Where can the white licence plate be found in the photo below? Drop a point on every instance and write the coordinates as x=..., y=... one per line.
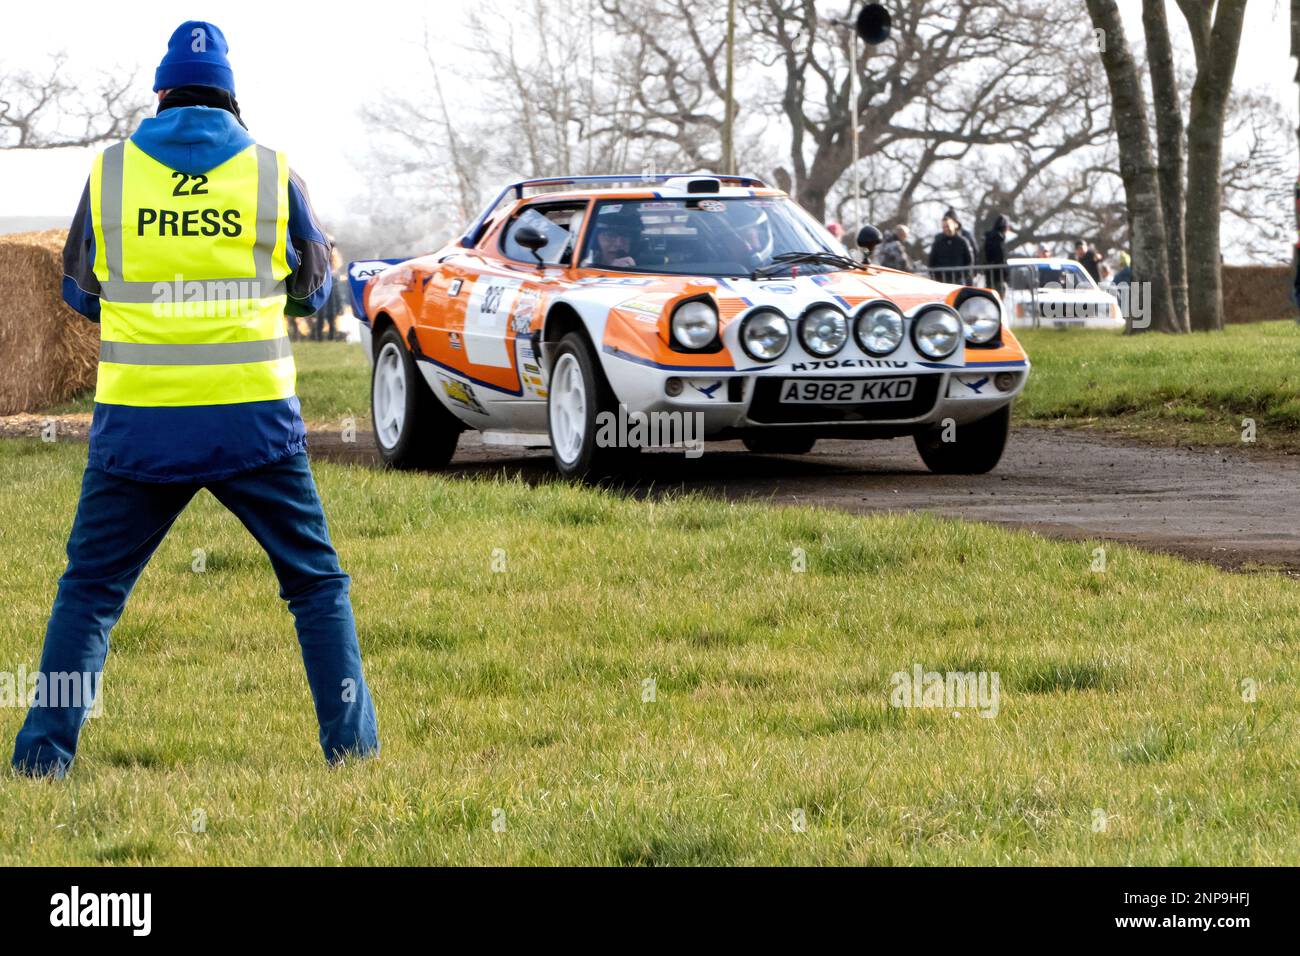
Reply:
x=850, y=391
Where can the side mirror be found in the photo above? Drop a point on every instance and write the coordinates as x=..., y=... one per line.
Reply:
x=531, y=238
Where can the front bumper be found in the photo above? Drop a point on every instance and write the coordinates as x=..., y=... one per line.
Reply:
x=740, y=402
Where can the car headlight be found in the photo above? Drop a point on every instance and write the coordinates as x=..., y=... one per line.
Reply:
x=981, y=319
x=824, y=330
x=694, y=324
x=879, y=330
x=937, y=333
x=765, y=335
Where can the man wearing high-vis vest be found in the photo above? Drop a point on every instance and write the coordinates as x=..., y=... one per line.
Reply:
x=190, y=245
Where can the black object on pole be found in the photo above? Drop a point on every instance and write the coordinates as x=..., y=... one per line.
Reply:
x=873, y=23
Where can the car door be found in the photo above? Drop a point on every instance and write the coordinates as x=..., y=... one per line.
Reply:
x=481, y=305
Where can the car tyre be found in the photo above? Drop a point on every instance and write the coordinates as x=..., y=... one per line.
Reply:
x=412, y=428
x=576, y=395
x=977, y=447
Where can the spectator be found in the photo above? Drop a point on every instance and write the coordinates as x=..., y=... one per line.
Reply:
x=1295, y=286
x=995, y=254
x=965, y=233
x=1125, y=273
x=1044, y=252
x=328, y=314
x=868, y=238
x=894, y=254
x=951, y=256
x=1088, y=258
x=836, y=230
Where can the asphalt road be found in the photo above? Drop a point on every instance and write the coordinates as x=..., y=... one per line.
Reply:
x=1235, y=507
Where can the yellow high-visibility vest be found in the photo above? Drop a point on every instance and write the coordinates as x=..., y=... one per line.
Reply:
x=192, y=279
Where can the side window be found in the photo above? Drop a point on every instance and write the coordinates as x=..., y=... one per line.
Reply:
x=560, y=223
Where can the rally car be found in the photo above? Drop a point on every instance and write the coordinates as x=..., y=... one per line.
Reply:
x=582, y=313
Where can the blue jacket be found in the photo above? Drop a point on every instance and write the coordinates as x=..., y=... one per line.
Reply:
x=204, y=442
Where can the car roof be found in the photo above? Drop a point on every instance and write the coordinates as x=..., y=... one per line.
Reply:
x=726, y=192
x=625, y=186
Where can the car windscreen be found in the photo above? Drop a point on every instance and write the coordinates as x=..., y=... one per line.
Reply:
x=705, y=236
x=1063, y=276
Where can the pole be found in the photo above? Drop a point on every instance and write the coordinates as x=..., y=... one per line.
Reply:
x=853, y=131
x=728, y=125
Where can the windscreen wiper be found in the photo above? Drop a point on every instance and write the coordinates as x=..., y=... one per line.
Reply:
x=787, y=260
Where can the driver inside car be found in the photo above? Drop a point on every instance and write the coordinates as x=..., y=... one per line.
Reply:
x=611, y=246
x=754, y=231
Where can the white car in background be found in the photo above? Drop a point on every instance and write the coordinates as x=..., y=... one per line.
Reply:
x=1057, y=293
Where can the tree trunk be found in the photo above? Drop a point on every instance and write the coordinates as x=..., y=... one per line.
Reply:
x=1169, y=150
x=1136, y=166
x=1295, y=52
x=1216, y=60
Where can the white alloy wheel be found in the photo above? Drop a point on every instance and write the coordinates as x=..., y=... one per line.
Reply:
x=389, y=395
x=568, y=408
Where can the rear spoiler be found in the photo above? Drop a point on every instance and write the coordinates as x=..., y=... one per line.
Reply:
x=361, y=272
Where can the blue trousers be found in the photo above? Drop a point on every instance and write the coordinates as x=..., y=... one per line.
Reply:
x=119, y=525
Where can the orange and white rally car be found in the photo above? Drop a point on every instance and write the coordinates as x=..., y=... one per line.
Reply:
x=575, y=312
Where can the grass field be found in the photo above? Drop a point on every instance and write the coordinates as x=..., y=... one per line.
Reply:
x=518, y=696
x=1188, y=389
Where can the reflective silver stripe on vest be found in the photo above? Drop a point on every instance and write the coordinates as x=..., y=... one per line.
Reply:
x=212, y=290
x=268, y=190
x=206, y=353
x=110, y=213
x=262, y=283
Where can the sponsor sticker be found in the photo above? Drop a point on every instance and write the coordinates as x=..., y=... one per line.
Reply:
x=709, y=388
x=641, y=305
x=846, y=363
x=525, y=308
x=615, y=280
x=364, y=270
x=462, y=393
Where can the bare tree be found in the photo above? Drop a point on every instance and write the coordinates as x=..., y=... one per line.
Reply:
x=974, y=103
x=1136, y=163
x=959, y=83
x=1216, y=36
x=1258, y=170
x=1170, y=143
x=49, y=112
x=1295, y=52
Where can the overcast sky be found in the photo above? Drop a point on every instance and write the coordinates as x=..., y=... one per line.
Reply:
x=301, y=71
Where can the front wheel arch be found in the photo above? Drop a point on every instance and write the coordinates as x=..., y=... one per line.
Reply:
x=381, y=323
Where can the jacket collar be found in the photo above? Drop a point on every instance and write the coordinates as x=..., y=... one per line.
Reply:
x=192, y=139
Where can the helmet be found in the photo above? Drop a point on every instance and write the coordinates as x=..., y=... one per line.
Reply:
x=616, y=219
x=750, y=220
x=869, y=237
